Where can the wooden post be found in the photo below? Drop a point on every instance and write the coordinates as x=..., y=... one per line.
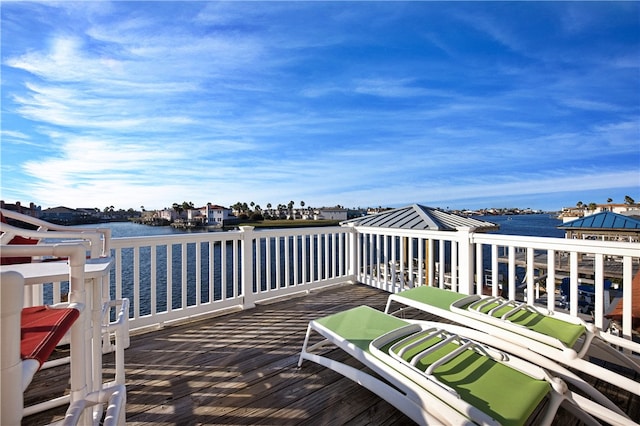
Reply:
x=405, y=249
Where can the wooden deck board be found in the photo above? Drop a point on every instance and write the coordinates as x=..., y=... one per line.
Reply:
x=241, y=368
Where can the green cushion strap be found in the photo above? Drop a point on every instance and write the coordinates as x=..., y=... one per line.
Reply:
x=505, y=394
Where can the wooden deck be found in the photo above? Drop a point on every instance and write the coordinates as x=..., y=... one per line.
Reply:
x=241, y=369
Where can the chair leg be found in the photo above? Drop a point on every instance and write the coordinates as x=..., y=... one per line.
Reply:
x=120, y=328
x=115, y=397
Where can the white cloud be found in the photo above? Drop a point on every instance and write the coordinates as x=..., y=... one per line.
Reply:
x=269, y=102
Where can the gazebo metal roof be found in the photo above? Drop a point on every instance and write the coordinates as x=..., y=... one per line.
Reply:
x=604, y=221
x=421, y=217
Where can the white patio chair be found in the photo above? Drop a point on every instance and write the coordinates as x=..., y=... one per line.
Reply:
x=30, y=335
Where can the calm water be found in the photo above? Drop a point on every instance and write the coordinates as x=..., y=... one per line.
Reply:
x=129, y=229
x=537, y=225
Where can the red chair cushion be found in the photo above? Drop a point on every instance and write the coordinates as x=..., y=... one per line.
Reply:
x=17, y=240
x=616, y=312
x=4, y=260
x=41, y=329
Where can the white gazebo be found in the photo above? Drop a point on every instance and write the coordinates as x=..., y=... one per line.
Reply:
x=418, y=216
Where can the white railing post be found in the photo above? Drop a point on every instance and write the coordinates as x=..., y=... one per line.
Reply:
x=511, y=279
x=352, y=259
x=532, y=292
x=248, y=267
x=627, y=297
x=479, y=269
x=551, y=280
x=431, y=262
x=465, y=261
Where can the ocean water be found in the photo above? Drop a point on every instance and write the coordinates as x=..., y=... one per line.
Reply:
x=130, y=229
x=536, y=225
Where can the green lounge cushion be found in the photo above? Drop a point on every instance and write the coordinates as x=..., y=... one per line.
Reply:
x=565, y=332
x=505, y=394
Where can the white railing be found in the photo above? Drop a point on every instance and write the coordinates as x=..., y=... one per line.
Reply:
x=468, y=262
x=176, y=277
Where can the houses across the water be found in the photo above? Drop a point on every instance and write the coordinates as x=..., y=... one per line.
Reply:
x=209, y=215
x=571, y=213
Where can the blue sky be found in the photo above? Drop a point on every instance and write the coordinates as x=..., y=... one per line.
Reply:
x=447, y=104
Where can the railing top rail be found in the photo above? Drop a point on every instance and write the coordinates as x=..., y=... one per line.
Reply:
x=312, y=230
x=619, y=248
x=196, y=237
x=562, y=244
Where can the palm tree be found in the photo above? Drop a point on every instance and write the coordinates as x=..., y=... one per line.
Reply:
x=628, y=200
x=177, y=208
x=609, y=200
x=579, y=204
x=290, y=208
x=237, y=207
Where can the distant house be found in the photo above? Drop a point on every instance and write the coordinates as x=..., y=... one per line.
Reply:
x=571, y=213
x=65, y=215
x=209, y=215
x=32, y=210
x=216, y=215
x=624, y=209
x=332, y=213
x=169, y=215
x=91, y=211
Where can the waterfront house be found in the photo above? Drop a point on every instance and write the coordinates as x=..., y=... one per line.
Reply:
x=32, y=210
x=624, y=209
x=332, y=213
x=209, y=215
x=215, y=214
x=64, y=215
x=169, y=215
x=571, y=213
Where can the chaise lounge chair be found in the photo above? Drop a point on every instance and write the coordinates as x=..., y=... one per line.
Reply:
x=435, y=375
x=563, y=338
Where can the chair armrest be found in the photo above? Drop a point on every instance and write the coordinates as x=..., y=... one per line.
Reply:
x=98, y=238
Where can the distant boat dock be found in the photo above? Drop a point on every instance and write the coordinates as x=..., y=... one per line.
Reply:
x=612, y=267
